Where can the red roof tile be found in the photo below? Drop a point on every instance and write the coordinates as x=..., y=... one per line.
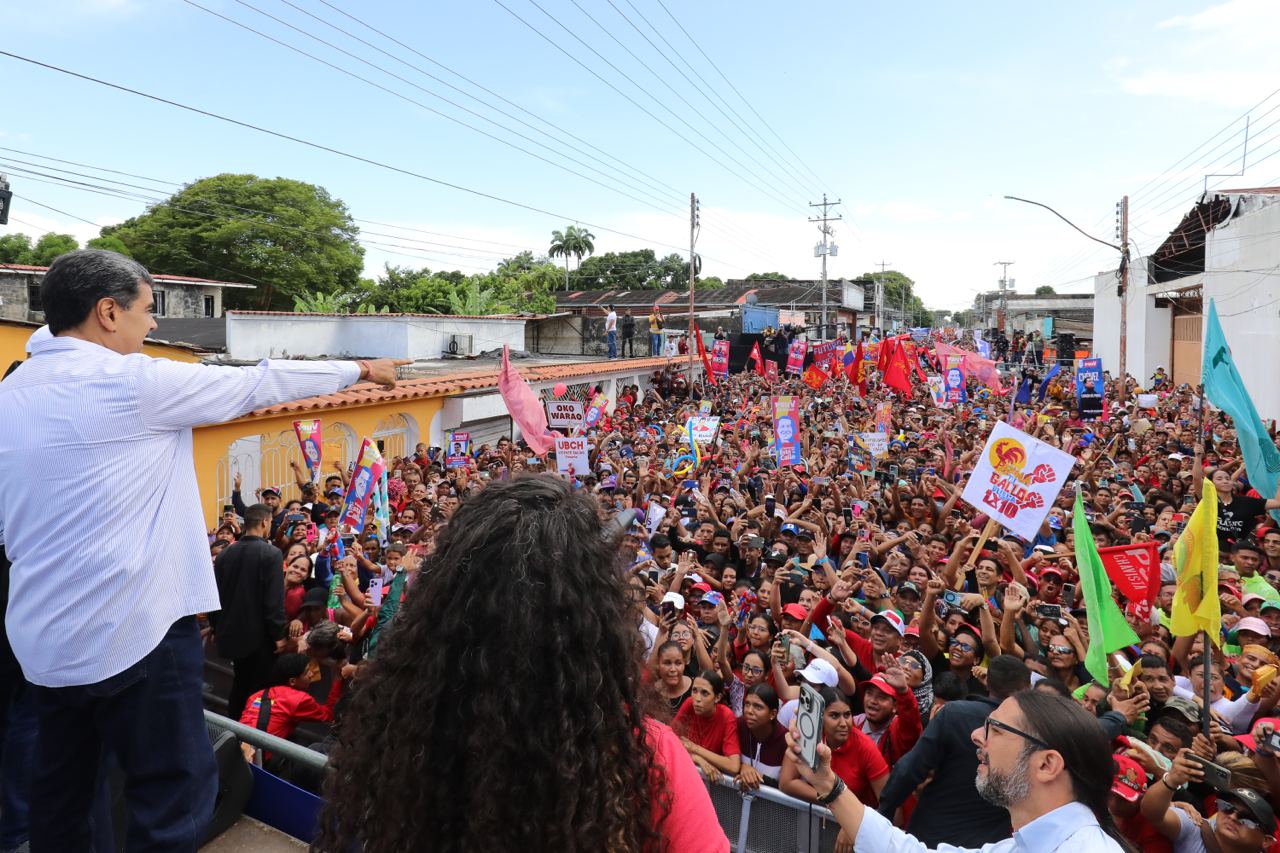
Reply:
x=366, y=393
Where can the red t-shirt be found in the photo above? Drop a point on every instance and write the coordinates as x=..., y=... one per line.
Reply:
x=293, y=601
x=290, y=706
x=690, y=823
x=718, y=733
x=1143, y=834
x=858, y=762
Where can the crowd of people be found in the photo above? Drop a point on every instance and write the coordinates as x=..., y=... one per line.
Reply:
x=857, y=576
x=522, y=658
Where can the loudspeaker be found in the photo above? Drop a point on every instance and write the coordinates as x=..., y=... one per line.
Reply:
x=1066, y=349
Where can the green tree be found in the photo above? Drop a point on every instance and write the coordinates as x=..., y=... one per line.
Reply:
x=962, y=319
x=287, y=237
x=708, y=283
x=1046, y=290
x=111, y=243
x=49, y=247
x=321, y=303
x=768, y=276
x=15, y=249
x=520, y=263
x=572, y=241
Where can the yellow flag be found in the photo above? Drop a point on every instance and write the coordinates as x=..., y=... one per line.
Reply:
x=1195, y=556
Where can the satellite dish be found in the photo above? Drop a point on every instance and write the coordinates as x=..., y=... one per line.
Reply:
x=751, y=299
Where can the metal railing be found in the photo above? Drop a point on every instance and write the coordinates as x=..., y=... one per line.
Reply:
x=761, y=821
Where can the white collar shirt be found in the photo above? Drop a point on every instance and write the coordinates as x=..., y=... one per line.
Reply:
x=99, y=508
x=1071, y=827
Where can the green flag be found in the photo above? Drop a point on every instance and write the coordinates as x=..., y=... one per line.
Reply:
x=1108, y=629
x=1223, y=385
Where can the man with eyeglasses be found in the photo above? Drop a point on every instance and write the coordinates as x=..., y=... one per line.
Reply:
x=1245, y=822
x=1043, y=763
x=949, y=810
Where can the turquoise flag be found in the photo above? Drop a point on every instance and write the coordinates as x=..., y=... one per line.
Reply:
x=1224, y=387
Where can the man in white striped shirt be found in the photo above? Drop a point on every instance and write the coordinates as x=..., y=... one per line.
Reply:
x=100, y=515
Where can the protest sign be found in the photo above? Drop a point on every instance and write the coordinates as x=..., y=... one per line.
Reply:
x=1134, y=569
x=875, y=443
x=1089, y=388
x=953, y=380
x=309, y=440
x=720, y=358
x=786, y=429
x=459, y=449
x=884, y=416
x=571, y=455
x=704, y=429
x=565, y=414
x=771, y=370
x=1148, y=401
x=938, y=391
x=1017, y=479
x=595, y=411
x=795, y=356
x=704, y=408
x=365, y=477
x=654, y=515
x=823, y=352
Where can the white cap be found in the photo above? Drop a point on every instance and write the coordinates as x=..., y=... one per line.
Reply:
x=820, y=672
x=675, y=598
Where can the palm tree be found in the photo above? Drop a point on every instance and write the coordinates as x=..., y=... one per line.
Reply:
x=572, y=241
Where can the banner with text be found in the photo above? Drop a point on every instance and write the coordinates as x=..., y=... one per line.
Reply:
x=571, y=455
x=1134, y=569
x=795, y=356
x=311, y=443
x=1017, y=479
x=459, y=449
x=565, y=414
x=720, y=358
x=364, y=479
x=786, y=429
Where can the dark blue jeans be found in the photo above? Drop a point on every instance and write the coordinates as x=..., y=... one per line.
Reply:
x=150, y=717
x=20, y=727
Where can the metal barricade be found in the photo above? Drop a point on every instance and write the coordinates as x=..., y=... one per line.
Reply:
x=761, y=821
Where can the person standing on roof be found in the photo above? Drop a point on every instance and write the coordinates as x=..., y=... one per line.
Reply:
x=611, y=331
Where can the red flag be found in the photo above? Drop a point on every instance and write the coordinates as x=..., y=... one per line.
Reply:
x=1134, y=569
x=526, y=410
x=814, y=377
x=887, y=348
x=859, y=368
x=757, y=358
x=706, y=362
x=897, y=373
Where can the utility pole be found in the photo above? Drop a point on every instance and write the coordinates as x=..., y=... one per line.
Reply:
x=1004, y=299
x=880, y=296
x=823, y=249
x=693, y=264
x=1122, y=210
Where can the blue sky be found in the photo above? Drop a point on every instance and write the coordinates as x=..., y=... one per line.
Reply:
x=918, y=116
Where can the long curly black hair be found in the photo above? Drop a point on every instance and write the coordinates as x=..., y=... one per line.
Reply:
x=502, y=711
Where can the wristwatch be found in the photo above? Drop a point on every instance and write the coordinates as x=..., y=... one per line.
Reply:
x=836, y=790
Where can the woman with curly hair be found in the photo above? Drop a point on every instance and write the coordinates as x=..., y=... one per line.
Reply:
x=503, y=710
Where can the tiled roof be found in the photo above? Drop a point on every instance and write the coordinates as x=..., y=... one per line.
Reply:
x=734, y=293
x=462, y=381
x=165, y=279
x=426, y=316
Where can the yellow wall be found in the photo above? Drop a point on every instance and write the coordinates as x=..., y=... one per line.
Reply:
x=14, y=337
x=278, y=445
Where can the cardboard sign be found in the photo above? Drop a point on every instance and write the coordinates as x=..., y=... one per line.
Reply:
x=368, y=472
x=459, y=449
x=720, y=358
x=1017, y=479
x=704, y=408
x=571, y=455
x=704, y=429
x=311, y=443
x=786, y=429
x=795, y=356
x=565, y=414
x=875, y=443
x=953, y=380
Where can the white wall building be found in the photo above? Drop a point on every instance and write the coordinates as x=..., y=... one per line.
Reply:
x=253, y=335
x=1225, y=249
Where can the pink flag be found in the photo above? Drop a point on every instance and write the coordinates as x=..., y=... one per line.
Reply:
x=524, y=406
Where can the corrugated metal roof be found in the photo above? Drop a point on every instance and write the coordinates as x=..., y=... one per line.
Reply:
x=163, y=278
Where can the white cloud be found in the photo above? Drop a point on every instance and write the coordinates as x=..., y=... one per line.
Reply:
x=1222, y=54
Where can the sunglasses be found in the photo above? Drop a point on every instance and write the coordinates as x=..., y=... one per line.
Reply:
x=1240, y=814
x=1062, y=650
x=957, y=644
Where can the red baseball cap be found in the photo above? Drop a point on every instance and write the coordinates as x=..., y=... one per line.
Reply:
x=795, y=611
x=703, y=588
x=1130, y=781
x=878, y=682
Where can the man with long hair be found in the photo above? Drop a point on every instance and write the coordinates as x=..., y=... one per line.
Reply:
x=1040, y=756
x=504, y=710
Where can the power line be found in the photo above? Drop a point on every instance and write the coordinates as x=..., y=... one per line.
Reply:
x=633, y=101
x=754, y=111
x=400, y=170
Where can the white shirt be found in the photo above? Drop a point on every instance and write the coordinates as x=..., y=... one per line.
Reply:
x=611, y=322
x=99, y=509
x=1071, y=827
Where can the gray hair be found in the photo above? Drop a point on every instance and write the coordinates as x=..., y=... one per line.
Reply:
x=78, y=280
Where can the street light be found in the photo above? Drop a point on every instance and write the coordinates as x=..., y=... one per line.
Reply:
x=1123, y=249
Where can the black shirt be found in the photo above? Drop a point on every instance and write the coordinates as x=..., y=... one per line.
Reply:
x=250, y=581
x=1237, y=517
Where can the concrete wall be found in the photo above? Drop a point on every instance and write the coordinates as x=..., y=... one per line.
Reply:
x=181, y=300
x=1149, y=328
x=255, y=336
x=13, y=296
x=1242, y=275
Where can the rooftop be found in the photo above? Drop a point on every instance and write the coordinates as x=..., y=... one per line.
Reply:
x=162, y=279
x=240, y=313
x=445, y=378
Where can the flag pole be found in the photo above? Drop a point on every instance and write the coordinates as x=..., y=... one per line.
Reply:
x=1204, y=689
